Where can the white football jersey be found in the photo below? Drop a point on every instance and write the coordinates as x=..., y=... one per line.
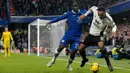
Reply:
x=98, y=24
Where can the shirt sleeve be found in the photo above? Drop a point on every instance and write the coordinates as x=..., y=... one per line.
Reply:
x=93, y=8
x=64, y=16
x=112, y=23
x=88, y=12
x=10, y=36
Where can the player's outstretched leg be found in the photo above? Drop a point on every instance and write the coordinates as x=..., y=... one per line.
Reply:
x=109, y=64
x=83, y=54
x=105, y=54
x=5, y=50
x=70, y=61
x=106, y=57
x=61, y=47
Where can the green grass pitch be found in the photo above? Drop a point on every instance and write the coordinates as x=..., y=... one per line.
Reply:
x=22, y=63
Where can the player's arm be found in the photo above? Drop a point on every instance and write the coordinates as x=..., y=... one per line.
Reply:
x=92, y=9
x=86, y=14
x=2, y=37
x=114, y=28
x=64, y=16
x=112, y=23
x=10, y=36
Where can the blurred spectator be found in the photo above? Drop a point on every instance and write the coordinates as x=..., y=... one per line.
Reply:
x=20, y=38
x=3, y=9
x=52, y=7
x=39, y=7
x=122, y=35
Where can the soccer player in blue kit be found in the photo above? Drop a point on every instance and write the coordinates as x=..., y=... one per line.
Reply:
x=72, y=35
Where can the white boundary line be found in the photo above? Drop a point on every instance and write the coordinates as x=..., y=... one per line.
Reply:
x=90, y=64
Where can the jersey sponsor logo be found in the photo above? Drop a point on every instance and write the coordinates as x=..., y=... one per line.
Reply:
x=97, y=23
x=74, y=15
x=63, y=41
x=76, y=45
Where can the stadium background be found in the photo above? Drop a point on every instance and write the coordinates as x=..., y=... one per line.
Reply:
x=17, y=14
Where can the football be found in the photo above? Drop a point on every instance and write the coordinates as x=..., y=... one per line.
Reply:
x=95, y=67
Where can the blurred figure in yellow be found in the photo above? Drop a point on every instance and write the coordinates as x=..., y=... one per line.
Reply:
x=6, y=37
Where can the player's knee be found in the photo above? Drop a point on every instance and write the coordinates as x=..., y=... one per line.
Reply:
x=72, y=56
x=81, y=47
x=61, y=47
x=73, y=52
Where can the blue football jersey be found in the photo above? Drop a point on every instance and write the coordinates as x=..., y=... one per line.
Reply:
x=74, y=23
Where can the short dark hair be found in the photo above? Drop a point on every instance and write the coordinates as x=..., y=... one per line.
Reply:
x=74, y=3
x=101, y=9
x=100, y=41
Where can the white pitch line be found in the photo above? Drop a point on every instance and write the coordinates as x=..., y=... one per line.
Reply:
x=90, y=64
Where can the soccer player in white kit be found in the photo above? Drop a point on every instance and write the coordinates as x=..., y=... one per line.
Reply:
x=101, y=19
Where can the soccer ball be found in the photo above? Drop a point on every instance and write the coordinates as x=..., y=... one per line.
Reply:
x=95, y=67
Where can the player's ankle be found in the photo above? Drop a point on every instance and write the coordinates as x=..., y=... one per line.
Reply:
x=56, y=54
x=5, y=55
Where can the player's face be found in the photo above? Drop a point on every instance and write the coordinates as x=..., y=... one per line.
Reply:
x=6, y=29
x=101, y=14
x=75, y=7
x=100, y=44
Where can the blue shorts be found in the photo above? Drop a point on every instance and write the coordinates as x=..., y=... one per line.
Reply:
x=72, y=41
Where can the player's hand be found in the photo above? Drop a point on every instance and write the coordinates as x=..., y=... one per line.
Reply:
x=48, y=25
x=104, y=33
x=12, y=41
x=79, y=20
x=82, y=17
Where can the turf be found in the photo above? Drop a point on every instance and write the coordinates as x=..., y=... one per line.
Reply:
x=22, y=63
